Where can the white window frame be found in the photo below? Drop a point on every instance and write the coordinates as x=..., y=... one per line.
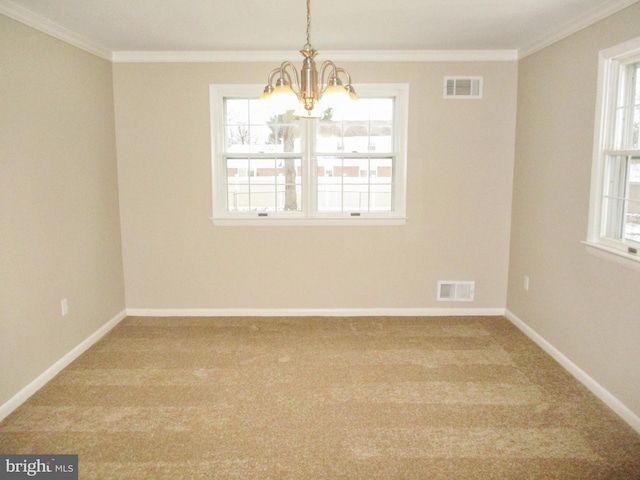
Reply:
x=310, y=215
x=609, y=67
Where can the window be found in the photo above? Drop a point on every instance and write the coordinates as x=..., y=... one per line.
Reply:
x=614, y=224
x=342, y=168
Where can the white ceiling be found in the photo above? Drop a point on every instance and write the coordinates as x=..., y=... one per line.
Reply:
x=336, y=25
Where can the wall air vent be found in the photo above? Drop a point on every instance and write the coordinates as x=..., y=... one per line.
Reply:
x=463, y=87
x=455, y=291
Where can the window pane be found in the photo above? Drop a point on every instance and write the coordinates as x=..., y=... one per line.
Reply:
x=329, y=184
x=613, y=202
x=367, y=127
x=627, y=122
x=250, y=130
x=613, y=209
x=259, y=115
x=354, y=184
x=628, y=125
x=264, y=185
x=632, y=224
x=259, y=139
x=355, y=137
x=238, y=169
x=237, y=111
x=289, y=184
x=262, y=171
x=382, y=170
x=381, y=179
x=381, y=198
x=284, y=134
x=636, y=92
x=237, y=138
x=635, y=133
x=621, y=206
x=238, y=185
x=263, y=198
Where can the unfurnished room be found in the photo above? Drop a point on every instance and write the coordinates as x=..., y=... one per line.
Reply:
x=312, y=239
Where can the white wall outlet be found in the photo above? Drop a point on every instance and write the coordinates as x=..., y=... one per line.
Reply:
x=64, y=306
x=526, y=282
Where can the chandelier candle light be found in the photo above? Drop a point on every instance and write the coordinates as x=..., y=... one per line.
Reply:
x=305, y=94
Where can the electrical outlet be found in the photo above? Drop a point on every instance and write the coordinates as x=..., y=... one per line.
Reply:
x=64, y=306
x=526, y=282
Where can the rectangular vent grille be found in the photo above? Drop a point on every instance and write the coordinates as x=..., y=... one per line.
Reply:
x=455, y=291
x=462, y=87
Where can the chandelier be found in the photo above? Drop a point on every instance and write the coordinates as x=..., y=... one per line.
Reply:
x=307, y=93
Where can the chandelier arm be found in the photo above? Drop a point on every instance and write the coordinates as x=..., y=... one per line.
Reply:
x=321, y=84
x=284, y=71
x=271, y=75
x=344, y=70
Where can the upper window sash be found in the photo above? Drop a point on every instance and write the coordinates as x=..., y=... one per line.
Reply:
x=626, y=115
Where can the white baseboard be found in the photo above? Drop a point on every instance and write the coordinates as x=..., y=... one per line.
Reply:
x=314, y=312
x=598, y=390
x=22, y=396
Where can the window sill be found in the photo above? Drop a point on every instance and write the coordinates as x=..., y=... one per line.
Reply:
x=611, y=254
x=307, y=222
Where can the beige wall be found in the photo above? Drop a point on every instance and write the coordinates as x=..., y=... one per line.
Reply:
x=460, y=166
x=588, y=308
x=59, y=221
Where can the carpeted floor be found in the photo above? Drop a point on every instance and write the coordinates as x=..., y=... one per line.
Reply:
x=322, y=398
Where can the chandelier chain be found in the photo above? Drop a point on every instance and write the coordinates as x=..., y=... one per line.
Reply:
x=308, y=44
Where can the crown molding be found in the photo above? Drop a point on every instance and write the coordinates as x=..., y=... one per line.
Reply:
x=52, y=29
x=336, y=55
x=577, y=24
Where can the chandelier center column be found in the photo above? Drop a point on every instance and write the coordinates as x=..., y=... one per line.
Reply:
x=309, y=79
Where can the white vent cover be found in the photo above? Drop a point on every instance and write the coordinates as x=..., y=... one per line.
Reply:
x=455, y=291
x=462, y=87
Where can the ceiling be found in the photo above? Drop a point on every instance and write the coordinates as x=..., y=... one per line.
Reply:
x=336, y=25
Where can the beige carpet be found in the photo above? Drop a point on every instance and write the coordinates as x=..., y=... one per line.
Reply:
x=323, y=398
